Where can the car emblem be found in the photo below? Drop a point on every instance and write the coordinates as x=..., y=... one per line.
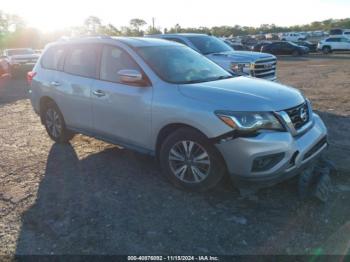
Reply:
x=268, y=66
x=303, y=114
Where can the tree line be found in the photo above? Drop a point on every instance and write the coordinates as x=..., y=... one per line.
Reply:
x=15, y=33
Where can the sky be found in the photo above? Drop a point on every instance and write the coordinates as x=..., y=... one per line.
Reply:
x=48, y=15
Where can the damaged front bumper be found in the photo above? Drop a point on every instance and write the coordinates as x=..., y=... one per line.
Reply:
x=271, y=157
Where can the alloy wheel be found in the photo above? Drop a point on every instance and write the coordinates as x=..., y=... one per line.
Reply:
x=53, y=122
x=189, y=161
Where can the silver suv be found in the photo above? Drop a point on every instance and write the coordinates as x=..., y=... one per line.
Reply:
x=167, y=100
x=261, y=65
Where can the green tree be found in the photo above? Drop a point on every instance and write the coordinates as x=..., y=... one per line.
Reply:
x=93, y=25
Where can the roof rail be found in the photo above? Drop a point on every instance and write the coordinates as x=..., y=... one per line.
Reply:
x=67, y=38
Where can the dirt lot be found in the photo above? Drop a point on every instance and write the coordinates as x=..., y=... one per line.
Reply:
x=91, y=197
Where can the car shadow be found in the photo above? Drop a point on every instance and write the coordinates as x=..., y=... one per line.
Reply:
x=12, y=90
x=112, y=202
x=116, y=201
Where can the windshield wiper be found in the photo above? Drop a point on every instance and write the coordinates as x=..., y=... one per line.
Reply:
x=207, y=80
x=223, y=77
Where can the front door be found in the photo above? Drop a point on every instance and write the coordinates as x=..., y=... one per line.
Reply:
x=121, y=112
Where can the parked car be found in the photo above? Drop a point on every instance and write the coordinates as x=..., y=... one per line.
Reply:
x=331, y=44
x=271, y=36
x=20, y=57
x=339, y=33
x=292, y=37
x=236, y=46
x=249, y=41
x=4, y=67
x=312, y=46
x=165, y=99
x=285, y=48
x=236, y=62
x=257, y=47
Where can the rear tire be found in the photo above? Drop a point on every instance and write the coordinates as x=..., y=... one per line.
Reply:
x=190, y=161
x=296, y=53
x=54, y=123
x=326, y=50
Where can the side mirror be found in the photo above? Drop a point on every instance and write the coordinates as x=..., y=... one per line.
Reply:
x=131, y=76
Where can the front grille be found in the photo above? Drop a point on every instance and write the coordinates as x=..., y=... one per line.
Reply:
x=265, y=68
x=299, y=115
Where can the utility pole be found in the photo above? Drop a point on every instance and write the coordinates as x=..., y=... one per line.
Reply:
x=153, y=24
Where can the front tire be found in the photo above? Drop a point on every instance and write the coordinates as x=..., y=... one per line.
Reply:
x=190, y=161
x=54, y=123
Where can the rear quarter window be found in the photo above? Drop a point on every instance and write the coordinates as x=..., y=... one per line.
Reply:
x=53, y=58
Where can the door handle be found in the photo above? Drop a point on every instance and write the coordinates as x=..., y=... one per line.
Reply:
x=55, y=83
x=99, y=93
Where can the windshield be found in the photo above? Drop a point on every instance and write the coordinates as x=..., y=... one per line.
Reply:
x=209, y=44
x=20, y=52
x=181, y=65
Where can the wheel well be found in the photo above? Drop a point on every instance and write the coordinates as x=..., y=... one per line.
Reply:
x=169, y=129
x=43, y=102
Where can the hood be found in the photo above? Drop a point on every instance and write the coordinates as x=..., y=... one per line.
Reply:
x=28, y=56
x=244, y=94
x=240, y=56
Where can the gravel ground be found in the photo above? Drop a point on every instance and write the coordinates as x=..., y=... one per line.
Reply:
x=91, y=197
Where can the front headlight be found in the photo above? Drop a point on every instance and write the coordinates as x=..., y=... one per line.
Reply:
x=250, y=121
x=241, y=68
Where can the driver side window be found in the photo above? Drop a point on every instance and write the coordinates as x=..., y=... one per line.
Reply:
x=114, y=59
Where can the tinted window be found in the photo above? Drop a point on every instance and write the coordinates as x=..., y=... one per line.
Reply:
x=81, y=60
x=333, y=40
x=113, y=60
x=53, y=58
x=335, y=32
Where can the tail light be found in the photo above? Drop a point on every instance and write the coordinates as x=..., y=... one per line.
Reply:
x=30, y=76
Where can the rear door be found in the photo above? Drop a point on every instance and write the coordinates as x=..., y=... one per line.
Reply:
x=51, y=63
x=335, y=43
x=287, y=48
x=276, y=49
x=74, y=84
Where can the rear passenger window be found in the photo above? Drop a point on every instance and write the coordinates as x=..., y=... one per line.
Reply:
x=81, y=60
x=53, y=58
x=113, y=60
x=333, y=40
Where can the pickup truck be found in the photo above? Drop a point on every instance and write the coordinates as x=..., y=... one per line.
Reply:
x=20, y=57
x=293, y=37
x=255, y=64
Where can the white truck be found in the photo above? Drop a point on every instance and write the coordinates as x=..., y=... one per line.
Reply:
x=293, y=37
